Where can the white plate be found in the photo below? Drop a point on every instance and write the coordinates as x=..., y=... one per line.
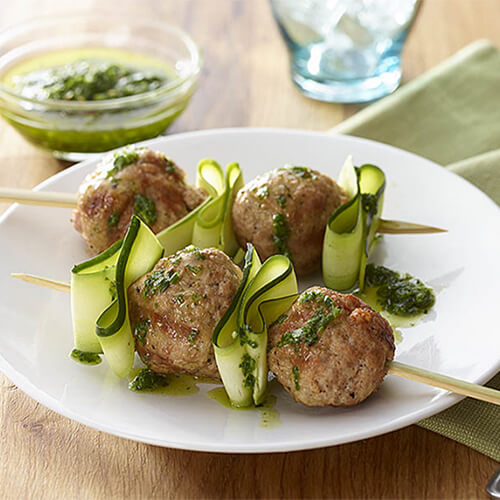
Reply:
x=459, y=338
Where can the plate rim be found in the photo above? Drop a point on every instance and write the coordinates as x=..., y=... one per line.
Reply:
x=443, y=400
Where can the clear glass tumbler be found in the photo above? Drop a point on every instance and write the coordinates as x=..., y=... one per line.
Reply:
x=345, y=50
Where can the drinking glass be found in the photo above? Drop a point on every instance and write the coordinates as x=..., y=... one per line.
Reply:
x=345, y=50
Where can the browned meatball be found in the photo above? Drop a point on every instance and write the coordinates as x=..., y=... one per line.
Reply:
x=175, y=308
x=330, y=349
x=139, y=181
x=286, y=211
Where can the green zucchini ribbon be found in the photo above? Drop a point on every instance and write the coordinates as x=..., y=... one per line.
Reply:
x=350, y=232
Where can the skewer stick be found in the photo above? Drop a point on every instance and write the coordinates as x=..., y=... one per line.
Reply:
x=29, y=197
x=395, y=367
x=60, y=286
x=402, y=227
x=68, y=200
x=444, y=382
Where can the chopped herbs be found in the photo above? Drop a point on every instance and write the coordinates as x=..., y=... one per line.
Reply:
x=262, y=192
x=170, y=165
x=296, y=377
x=245, y=339
x=148, y=380
x=402, y=295
x=302, y=172
x=370, y=203
x=194, y=270
x=141, y=329
x=279, y=320
x=145, y=209
x=122, y=159
x=281, y=233
x=158, y=281
x=86, y=358
x=196, y=298
x=309, y=333
x=113, y=219
x=281, y=200
x=247, y=366
x=180, y=299
x=87, y=80
x=193, y=334
x=112, y=288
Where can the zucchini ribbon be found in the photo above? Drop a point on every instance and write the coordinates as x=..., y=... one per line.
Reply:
x=351, y=229
x=99, y=286
x=240, y=338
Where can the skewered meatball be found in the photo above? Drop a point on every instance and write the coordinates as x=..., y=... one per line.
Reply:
x=175, y=308
x=330, y=349
x=286, y=211
x=139, y=181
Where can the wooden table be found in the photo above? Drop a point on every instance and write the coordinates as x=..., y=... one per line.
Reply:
x=245, y=82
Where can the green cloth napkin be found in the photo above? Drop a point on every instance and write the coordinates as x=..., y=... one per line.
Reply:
x=451, y=115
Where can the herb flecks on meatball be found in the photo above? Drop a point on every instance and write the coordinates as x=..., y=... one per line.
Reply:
x=330, y=349
x=132, y=181
x=286, y=211
x=175, y=308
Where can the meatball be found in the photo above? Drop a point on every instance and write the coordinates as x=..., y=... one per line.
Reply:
x=139, y=181
x=330, y=349
x=174, y=309
x=286, y=211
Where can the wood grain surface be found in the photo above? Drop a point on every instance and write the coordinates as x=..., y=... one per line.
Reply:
x=245, y=82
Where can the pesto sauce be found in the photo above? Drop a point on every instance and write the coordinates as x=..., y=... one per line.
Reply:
x=145, y=380
x=121, y=160
x=302, y=172
x=247, y=366
x=158, y=281
x=141, y=329
x=96, y=131
x=281, y=233
x=401, y=295
x=309, y=333
x=296, y=377
x=269, y=416
x=86, y=358
x=86, y=80
x=145, y=209
x=113, y=219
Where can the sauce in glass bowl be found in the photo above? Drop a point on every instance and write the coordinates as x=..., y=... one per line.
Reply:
x=84, y=93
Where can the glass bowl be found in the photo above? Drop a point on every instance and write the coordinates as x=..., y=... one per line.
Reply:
x=75, y=130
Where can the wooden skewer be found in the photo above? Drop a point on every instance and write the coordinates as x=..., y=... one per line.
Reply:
x=60, y=286
x=28, y=197
x=395, y=367
x=401, y=227
x=68, y=200
x=444, y=382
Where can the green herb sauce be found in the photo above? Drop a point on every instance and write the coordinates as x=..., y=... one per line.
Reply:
x=247, y=366
x=145, y=209
x=193, y=334
x=141, y=329
x=122, y=159
x=86, y=80
x=281, y=200
x=113, y=219
x=370, y=203
x=296, y=377
x=86, y=358
x=148, y=381
x=90, y=75
x=402, y=295
x=194, y=270
x=309, y=333
x=158, y=281
x=281, y=233
x=302, y=172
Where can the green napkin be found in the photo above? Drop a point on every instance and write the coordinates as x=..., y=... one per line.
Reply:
x=451, y=115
